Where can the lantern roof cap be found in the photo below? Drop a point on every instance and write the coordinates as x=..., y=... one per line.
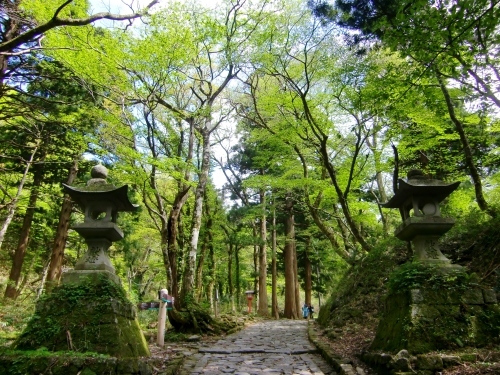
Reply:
x=420, y=185
x=116, y=196
x=98, y=189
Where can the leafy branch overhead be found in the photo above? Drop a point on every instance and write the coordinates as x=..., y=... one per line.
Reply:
x=19, y=33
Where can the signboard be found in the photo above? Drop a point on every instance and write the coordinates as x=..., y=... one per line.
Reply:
x=148, y=305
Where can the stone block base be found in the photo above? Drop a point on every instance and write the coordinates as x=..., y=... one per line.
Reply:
x=424, y=320
x=92, y=315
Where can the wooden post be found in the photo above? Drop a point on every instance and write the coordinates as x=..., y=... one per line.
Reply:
x=162, y=318
x=216, y=302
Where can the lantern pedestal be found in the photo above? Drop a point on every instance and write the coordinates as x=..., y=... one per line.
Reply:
x=424, y=320
x=424, y=233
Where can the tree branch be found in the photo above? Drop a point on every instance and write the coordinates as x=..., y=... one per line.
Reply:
x=55, y=21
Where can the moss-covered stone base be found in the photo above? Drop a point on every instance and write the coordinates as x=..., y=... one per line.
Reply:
x=422, y=320
x=91, y=316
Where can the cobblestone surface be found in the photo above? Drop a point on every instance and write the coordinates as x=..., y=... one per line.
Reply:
x=268, y=347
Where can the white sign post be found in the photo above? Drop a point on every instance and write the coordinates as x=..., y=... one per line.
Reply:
x=162, y=317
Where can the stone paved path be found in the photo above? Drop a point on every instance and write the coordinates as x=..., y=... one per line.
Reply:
x=268, y=347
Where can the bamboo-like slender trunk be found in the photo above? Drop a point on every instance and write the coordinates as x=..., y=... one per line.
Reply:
x=13, y=205
x=13, y=290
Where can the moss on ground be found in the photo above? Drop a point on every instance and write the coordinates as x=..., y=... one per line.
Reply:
x=13, y=362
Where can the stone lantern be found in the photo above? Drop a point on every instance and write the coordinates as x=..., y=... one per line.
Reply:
x=90, y=310
x=100, y=203
x=418, y=201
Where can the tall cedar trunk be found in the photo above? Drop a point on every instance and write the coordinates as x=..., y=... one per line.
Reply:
x=296, y=279
x=188, y=279
x=263, y=309
x=12, y=290
x=237, y=276
x=230, y=273
x=57, y=256
x=255, y=265
x=290, y=304
x=13, y=205
x=308, y=269
x=274, y=292
x=469, y=159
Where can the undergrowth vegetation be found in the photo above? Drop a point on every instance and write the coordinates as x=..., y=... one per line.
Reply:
x=357, y=296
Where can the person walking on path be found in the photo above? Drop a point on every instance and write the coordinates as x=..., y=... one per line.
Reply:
x=305, y=311
x=310, y=310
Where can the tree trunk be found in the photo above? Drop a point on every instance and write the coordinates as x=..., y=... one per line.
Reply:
x=170, y=255
x=201, y=259
x=188, y=279
x=230, y=273
x=308, y=269
x=469, y=160
x=57, y=256
x=199, y=268
x=290, y=304
x=12, y=290
x=263, y=309
x=323, y=226
x=13, y=205
x=43, y=281
x=274, y=292
x=238, y=277
x=296, y=279
x=342, y=198
x=255, y=266
x=213, y=273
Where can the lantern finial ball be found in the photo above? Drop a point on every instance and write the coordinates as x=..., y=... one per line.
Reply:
x=99, y=171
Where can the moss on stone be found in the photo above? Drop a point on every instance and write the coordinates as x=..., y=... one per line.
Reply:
x=94, y=316
x=426, y=326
